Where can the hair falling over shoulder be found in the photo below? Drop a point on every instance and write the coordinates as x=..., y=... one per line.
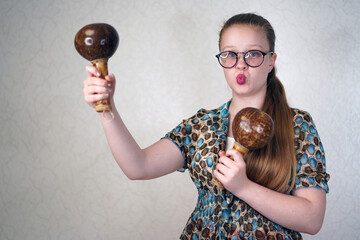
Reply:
x=273, y=166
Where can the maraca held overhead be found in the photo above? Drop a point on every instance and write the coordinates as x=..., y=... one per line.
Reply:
x=97, y=43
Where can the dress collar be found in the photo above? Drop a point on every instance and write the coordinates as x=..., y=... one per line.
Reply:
x=220, y=119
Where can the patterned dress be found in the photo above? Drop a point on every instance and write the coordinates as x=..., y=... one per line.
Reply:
x=218, y=213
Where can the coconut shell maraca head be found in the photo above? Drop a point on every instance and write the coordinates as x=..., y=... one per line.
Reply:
x=96, y=41
x=252, y=128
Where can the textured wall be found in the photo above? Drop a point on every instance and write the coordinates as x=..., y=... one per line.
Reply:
x=57, y=176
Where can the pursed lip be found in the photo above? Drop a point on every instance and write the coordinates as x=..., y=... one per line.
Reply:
x=241, y=79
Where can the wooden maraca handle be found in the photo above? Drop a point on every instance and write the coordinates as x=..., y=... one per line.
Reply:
x=240, y=148
x=102, y=105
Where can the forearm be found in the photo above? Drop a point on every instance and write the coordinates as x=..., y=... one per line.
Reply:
x=127, y=153
x=135, y=162
x=157, y=160
x=302, y=212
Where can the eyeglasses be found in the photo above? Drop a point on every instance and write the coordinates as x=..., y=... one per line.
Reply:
x=252, y=58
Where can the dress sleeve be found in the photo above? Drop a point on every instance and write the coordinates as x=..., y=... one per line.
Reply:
x=310, y=155
x=181, y=137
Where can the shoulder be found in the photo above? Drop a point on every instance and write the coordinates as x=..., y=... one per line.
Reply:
x=303, y=122
x=203, y=115
x=300, y=115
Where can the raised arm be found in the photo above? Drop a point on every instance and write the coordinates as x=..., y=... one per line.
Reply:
x=159, y=159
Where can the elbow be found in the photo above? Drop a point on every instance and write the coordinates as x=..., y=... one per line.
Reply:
x=313, y=211
x=313, y=231
x=135, y=175
x=313, y=227
x=131, y=177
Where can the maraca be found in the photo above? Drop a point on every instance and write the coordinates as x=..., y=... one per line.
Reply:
x=252, y=129
x=97, y=43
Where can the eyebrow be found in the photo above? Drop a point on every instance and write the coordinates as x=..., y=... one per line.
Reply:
x=250, y=47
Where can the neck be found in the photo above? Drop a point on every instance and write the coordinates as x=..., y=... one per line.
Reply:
x=238, y=103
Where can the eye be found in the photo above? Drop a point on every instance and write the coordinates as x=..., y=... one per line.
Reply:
x=254, y=54
x=232, y=54
x=228, y=54
x=89, y=41
x=224, y=54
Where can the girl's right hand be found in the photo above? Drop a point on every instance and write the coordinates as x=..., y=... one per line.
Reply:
x=96, y=88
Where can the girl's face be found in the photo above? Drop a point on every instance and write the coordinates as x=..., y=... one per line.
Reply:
x=243, y=80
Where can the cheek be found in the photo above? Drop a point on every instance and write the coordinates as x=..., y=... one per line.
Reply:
x=227, y=74
x=269, y=65
x=259, y=76
x=230, y=77
x=263, y=71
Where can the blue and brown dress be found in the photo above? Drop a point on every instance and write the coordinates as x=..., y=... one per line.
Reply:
x=218, y=213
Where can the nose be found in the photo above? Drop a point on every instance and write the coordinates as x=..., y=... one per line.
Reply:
x=241, y=64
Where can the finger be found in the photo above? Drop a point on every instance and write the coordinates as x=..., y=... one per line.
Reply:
x=235, y=155
x=227, y=160
x=110, y=80
x=219, y=176
x=93, y=89
x=222, y=168
x=96, y=97
x=92, y=71
x=227, y=163
x=221, y=153
x=94, y=81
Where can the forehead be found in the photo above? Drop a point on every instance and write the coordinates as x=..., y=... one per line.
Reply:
x=244, y=37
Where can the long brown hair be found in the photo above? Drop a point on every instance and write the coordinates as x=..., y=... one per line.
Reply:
x=274, y=165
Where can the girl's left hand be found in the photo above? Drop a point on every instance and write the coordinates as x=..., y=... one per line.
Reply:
x=231, y=171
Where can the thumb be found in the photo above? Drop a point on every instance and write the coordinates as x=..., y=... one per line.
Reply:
x=110, y=78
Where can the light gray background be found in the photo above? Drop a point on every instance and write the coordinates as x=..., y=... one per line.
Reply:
x=57, y=176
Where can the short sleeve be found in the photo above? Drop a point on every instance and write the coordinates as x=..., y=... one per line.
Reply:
x=310, y=155
x=181, y=137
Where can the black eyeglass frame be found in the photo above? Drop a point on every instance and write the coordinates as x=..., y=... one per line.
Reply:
x=244, y=54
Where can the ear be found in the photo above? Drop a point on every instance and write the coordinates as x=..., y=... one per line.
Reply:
x=272, y=60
